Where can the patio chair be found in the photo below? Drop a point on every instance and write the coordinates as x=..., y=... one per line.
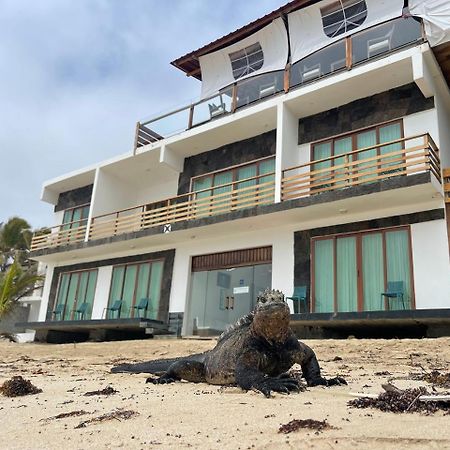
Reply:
x=298, y=296
x=141, y=306
x=81, y=310
x=380, y=44
x=395, y=290
x=268, y=89
x=58, y=311
x=309, y=73
x=216, y=110
x=116, y=307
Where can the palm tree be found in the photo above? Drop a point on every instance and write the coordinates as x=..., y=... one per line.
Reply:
x=16, y=283
x=15, y=238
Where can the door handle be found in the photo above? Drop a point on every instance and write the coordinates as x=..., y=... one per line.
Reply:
x=231, y=304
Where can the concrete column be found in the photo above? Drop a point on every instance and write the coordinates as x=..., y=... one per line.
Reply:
x=286, y=144
x=101, y=291
x=46, y=292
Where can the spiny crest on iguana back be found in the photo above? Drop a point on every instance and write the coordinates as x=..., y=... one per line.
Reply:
x=269, y=295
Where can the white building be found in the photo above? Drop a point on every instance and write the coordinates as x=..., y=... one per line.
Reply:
x=314, y=160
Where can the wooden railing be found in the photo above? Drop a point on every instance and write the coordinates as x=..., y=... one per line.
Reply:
x=400, y=157
x=194, y=205
x=446, y=179
x=68, y=233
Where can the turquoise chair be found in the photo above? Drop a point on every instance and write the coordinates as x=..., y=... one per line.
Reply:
x=395, y=290
x=81, y=310
x=115, y=308
x=141, y=306
x=298, y=296
x=58, y=311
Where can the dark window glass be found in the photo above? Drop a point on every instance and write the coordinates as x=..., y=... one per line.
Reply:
x=247, y=60
x=342, y=16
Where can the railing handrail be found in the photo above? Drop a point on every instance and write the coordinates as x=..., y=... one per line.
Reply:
x=187, y=194
x=360, y=150
x=43, y=230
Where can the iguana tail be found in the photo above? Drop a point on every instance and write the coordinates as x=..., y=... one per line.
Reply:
x=156, y=367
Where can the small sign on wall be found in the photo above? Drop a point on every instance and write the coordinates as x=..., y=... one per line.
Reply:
x=167, y=228
x=241, y=290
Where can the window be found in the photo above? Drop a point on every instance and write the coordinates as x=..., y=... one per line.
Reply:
x=74, y=289
x=351, y=271
x=219, y=183
x=246, y=61
x=368, y=168
x=132, y=282
x=342, y=16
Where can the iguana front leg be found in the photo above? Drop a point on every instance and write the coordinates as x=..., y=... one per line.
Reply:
x=306, y=357
x=185, y=369
x=249, y=376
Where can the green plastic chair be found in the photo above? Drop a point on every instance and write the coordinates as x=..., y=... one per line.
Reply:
x=58, y=311
x=141, y=306
x=298, y=296
x=116, y=307
x=395, y=290
x=81, y=310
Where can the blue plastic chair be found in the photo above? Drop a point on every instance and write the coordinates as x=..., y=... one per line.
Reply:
x=115, y=308
x=395, y=290
x=141, y=306
x=81, y=310
x=298, y=296
x=58, y=311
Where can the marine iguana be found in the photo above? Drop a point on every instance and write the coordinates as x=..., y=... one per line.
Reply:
x=255, y=353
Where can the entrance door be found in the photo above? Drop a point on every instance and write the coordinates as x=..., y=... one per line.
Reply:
x=220, y=297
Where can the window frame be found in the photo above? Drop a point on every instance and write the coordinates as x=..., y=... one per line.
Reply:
x=72, y=210
x=344, y=25
x=244, y=54
x=234, y=170
x=358, y=235
x=70, y=273
x=137, y=264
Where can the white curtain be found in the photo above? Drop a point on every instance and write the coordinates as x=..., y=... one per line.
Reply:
x=216, y=67
x=436, y=17
x=306, y=31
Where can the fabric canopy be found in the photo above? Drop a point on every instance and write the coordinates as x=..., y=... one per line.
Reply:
x=436, y=18
x=268, y=47
x=321, y=24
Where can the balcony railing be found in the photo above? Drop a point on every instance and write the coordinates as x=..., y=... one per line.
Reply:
x=246, y=193
x=446, y=177
x=358, y=48
x=68, y=233
x=400, y=157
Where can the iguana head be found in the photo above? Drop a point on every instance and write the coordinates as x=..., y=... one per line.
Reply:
x=271, y=316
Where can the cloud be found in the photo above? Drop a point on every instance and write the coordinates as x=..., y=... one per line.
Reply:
x=77, y=75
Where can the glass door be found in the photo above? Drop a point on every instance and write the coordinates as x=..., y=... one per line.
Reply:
x=220, y=297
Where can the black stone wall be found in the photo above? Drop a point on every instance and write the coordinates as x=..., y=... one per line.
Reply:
x=302, y=239
x=75, y=197
x=167, y=255
x=364, y=112
x=226, y=156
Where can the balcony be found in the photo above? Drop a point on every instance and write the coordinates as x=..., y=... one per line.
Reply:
x=362, y=47
x=219, y=199
x=398, y=158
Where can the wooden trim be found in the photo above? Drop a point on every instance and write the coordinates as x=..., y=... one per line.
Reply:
x=234, y=98
x=411, y=269
x=348, y=52
x=335, y=286
x=231, y=259
x=191, y=116
x=287, y=77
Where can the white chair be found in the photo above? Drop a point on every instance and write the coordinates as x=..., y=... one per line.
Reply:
x=216, y=110
x=267, y=89
x=309, y=73
x=381, y=43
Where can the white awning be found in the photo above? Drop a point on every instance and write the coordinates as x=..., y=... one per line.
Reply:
x=308, y=27
x=262, y=52
x=436, y=19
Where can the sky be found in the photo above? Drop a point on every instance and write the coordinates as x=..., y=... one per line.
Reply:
x=76, y=76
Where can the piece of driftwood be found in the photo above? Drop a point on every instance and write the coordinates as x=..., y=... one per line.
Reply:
x=422, y=398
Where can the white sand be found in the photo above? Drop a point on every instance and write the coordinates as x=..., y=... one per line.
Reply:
x=183, y=415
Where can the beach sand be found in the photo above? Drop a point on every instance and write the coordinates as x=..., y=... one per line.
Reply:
x=186, y=415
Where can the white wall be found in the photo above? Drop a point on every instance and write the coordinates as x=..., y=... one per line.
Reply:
x=101, y=291
x=111, y=194
x=159, y=191
x=431, y=264
x=46, y=292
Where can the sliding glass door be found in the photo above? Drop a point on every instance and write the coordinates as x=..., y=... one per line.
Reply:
x=74, y=289
x=350, y=272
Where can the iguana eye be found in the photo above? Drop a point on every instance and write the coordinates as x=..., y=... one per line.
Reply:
x=262, y=300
